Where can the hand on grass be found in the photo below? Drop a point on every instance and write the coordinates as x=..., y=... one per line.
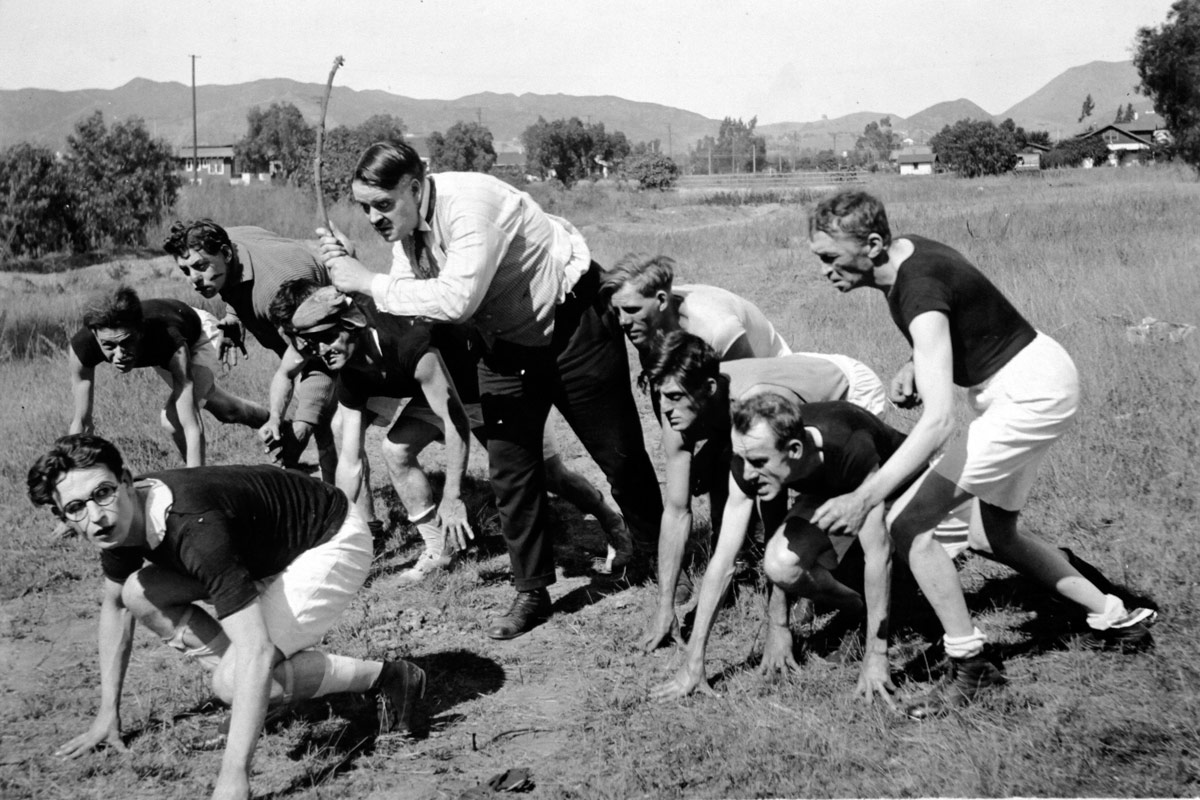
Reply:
x=100, y=734
x=661, y=627
x=777, y=660
x=684, y=683
x=452, y=513
x=903, y=389
x=874, y=680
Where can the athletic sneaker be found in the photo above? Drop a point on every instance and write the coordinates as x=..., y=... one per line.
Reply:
x=1130, y=634
x=963, y=683
x=427, y=563
x=398, y=691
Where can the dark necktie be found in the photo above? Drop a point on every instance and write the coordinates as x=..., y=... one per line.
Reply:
x=424, y=264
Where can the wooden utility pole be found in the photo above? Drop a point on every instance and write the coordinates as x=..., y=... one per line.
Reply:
x=669, y=148
x=195, y=139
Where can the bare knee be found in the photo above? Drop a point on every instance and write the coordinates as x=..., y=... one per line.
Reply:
x=166, y=419
x=134, y=595
x=400, y=456
x=781, y=566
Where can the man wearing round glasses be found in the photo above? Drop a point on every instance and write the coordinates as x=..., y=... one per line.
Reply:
x=278, y=555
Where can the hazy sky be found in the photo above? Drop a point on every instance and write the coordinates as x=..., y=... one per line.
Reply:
x=782, y=60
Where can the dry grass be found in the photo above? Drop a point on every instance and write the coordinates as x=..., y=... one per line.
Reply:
x=1073, y=249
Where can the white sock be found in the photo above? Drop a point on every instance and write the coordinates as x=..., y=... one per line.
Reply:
x=344, y=674
x=964, y=646
x=1114, y=609
x=431, y=532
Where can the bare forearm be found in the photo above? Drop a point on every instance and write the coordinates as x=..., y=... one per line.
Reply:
x=717, y=578
x=348, y=477
x=912, y=456
x=877, y=592
x=457, y=452
x=674, y=530
x=280, y=395
x=115, y=641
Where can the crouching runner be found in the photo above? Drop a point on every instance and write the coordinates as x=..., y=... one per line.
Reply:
x=278, y=554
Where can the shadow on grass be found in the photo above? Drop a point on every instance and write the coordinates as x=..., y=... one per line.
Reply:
x=343, y=728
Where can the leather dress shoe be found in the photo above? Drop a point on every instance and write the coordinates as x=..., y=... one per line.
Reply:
x=527, y=611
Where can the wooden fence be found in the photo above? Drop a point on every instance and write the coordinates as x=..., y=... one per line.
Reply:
x=768, y=180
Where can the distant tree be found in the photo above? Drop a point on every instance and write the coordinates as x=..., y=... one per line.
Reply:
x=341, y=149
x=1088, y=106
x=1168, y=61
x=651, y=170
x=37, y=203
x=277, y=134
x=1024, y=138
x=646, y=148
x=466, y=147
x=608, y=149
x=124, y=180
x=878, y=140
x=1073, y=152
x=734, y=149
x=1130, y=114
x=381, y=128
x=561, y=148
x=973, y=148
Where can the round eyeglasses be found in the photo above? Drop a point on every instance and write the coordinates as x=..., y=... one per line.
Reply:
x=103, y=496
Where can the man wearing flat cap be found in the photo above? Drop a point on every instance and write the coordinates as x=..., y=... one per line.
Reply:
x=379, y=361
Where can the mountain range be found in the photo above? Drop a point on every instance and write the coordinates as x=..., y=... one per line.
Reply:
x=46, y=117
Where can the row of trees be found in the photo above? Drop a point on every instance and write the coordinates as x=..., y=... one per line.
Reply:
x=565, y=149
x=735, y=148
x=106, y=190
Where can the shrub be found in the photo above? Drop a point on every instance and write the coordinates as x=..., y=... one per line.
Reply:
x=36, y=203
x=124, y=181
x=651, y=170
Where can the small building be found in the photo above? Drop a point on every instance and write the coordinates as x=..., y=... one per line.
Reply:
x=1131, y=141
x=216, y=161
x=916, y=160
x=1029, y=158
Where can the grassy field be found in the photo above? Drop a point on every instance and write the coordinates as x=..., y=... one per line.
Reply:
x=1082, y=253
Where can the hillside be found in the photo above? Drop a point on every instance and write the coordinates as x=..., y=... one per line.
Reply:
x=47, y=117
x=1056, y=106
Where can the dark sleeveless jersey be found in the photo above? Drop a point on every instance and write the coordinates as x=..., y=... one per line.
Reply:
x=986, y=330
x=167, y=326
x=854, y=442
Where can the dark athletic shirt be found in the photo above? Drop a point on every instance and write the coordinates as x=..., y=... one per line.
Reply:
x=986, y=330
x=854, y=442
x=168, y=325
x=402, y=342
x=229, y=526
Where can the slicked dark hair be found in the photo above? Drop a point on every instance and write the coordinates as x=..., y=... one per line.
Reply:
x=71, y=452
x=285, y=302
x=201, y=234
x=384, y=164
x=851, y=213
x=781, y=414
x=120, y=308
x=686, y=358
